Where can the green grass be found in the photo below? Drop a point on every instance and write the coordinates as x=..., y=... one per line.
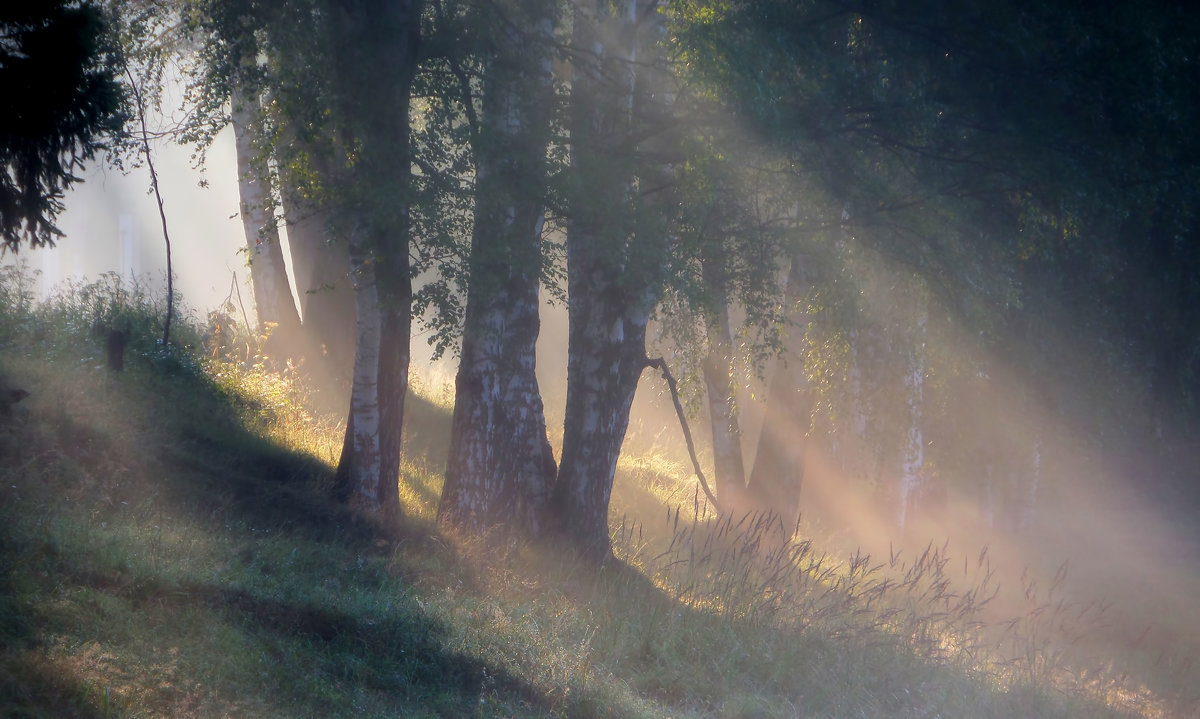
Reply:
x=168, y=548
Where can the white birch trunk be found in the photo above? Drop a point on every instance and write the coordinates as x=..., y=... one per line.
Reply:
x=272, y=291
x=358, y=470
x=914, y=445
x=376, y=58
x=500, y=465
x=611, y=276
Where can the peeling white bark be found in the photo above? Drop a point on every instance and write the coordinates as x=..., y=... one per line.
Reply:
x=377, y=227
x=611, y=292
x=500, y=464
x=364, y=438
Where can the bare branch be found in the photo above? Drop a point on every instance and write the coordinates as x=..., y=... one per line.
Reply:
x=661, y=365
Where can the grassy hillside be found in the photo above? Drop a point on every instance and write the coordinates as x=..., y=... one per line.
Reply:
x=168, y=549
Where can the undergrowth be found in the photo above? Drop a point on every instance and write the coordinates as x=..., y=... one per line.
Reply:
x=169, y=548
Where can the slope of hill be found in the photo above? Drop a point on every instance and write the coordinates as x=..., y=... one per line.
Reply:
x=168, y=547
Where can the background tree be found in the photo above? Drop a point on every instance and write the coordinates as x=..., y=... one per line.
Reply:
x=276, y=309
x=339, y=77
x=374, y=56
x=320, y=264
x=252, y=70
x=974, y=144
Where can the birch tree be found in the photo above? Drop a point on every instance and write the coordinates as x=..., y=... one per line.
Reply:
x=340, y=76
x=717, y=369
x=501, y=466
x=273, y=301
x=779, y=462
x=617, y=248
x=320, y=261
x=730, y=221
x=374, y=46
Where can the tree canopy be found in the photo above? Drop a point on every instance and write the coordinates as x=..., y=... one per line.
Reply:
x=1033, y=165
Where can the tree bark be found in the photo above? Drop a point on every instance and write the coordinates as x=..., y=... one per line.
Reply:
x=375, y=63
x=616, y=246
x=729, y=470
x=272, y=289
x=394, y=359
x=358, y=472
x=321, y=267
x=778, y=474
x=501, y=466
x=606, y=356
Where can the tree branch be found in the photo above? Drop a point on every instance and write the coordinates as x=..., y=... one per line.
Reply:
x=661, y=365
x=141, y=108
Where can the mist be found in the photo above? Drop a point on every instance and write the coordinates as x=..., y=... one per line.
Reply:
x=1119, y=543
x=111, y=224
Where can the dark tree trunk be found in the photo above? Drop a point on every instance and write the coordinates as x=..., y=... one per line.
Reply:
x=394, y=361
x=321, y=267
x=606, y=356
x=114, y=349
x=778, y=474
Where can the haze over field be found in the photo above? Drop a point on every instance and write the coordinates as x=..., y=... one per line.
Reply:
x=1101, y=524
x=1114, y=538
x=896, y=304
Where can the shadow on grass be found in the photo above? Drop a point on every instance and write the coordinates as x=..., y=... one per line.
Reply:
x=400, y=653
x=32, y=689
x=185, y=452
x=426, y=432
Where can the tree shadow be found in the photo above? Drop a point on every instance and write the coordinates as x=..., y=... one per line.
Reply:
x=400, y=653
x=197, y=462
x=33, y=689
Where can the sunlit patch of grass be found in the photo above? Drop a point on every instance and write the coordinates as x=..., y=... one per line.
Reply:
x=434, y=385
x=925, y=625
x=420, y=490
x=276, y=403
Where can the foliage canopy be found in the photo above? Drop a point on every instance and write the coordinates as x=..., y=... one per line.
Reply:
x=58, y=70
